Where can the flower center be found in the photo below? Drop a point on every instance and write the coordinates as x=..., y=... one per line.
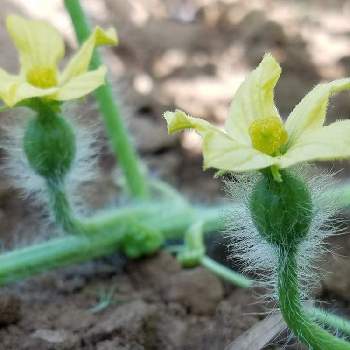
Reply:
x=268, y=135
x=42, y=77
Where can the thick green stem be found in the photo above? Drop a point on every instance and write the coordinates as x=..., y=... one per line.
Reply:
x=116, y=130
x=172, y=220
x=291, y=308
x=26, y=262
x=107, y=221
x=152, y=215
x=59, y=252
x=108, y=230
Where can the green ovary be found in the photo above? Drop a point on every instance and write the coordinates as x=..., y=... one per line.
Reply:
x=282, y=211
x=49, y=144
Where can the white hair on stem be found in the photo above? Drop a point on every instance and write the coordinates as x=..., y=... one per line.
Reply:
x=20, y=174
x=259, y=256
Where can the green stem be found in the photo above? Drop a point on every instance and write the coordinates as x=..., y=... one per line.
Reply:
x=61, y=208
x=111, y=227
x=336, y=322
x=116, y=130
x=59, y=252
x=226, y=273
x=291, y=308
x=26, y=262
x=151, y=214
x=107, y=221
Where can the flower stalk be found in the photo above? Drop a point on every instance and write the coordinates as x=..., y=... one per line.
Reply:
x=61, y=209
x=282, y=213
x=291, y=308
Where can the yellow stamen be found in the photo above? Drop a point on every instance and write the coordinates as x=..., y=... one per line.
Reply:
x=43, y=77
x=268, y=135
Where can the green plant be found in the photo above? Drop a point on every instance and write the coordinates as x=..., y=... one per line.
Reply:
x=284, y=214
x=56, y=150
x=156, y=212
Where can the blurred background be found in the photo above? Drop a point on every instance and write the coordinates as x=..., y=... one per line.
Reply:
x=192, y=55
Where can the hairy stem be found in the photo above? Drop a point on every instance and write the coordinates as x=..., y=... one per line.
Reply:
x=61, y=208
x=107, y=231
x=336, y=322
x=333, y=321
x=59, y=252
x=26, y=262
x=296, y=318
x=116, y=130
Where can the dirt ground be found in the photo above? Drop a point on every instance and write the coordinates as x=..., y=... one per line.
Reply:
x=190, y=55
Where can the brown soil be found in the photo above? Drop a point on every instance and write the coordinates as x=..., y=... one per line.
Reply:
x=154, y=305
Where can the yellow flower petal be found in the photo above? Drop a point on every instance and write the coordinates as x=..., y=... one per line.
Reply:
x=254, y=99
x=81, y=85
x=220, y=151
x=38, y=43
x=79, y=63
x=311, y=111
x=179, y=120
x=25, y=91
x=14, y=89
x=324, y=143
x=8, y=87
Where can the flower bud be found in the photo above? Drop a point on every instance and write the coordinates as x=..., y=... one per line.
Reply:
x=281, y=211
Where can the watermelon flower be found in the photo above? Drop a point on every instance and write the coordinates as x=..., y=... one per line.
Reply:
x=255, y=136
x=40, y=49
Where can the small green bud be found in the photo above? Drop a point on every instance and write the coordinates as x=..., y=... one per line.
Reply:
x=141, y=240
x=49, y=144
x=282, y=211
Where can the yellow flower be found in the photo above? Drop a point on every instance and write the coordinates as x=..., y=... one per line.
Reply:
x=255, y=136
x=40, y=49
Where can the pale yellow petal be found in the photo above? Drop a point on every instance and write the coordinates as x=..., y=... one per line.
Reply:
x=81, y=85
x=254, y=99
x=14, y=88
x=220, y=151
x=21, y=91
x=25, y=91
x=79, y=63
x=179, y=120
x=8, y=87
x=324, y=143
x=310, y=113
x=38, y=43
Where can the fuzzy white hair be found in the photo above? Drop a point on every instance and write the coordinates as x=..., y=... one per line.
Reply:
x=23, y=177
x=259, y=256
